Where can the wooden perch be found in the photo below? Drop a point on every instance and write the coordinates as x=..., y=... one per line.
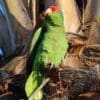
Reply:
x=90, y=55
x=81, y=80
x=76, y=81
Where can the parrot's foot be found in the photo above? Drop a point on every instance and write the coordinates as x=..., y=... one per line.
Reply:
x=50, y=65
x=45, y=68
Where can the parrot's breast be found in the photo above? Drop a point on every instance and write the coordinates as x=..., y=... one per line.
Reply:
x=52, y=48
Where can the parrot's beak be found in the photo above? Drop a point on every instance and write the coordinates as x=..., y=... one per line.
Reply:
x=48, y=12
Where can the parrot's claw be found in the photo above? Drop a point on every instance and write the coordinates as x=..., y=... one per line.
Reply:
x=51, y=66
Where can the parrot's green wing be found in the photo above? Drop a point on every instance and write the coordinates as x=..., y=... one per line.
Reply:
x=34, y=77
x=35, y=39
x=32, y=51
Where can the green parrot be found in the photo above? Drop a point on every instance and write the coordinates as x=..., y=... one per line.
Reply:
x=49, y=46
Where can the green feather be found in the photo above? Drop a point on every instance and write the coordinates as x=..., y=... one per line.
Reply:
x=32, y=83
x=35, y=39
x=49, y=47
x=53, y=44
x=32, y=52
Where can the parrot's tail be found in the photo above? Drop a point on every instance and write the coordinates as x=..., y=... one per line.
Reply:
x=33, y=82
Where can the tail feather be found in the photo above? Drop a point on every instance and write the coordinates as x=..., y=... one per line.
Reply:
x=33, y=82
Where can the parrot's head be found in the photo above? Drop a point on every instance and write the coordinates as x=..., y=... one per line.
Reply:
x=51, y=10
x=54, y=15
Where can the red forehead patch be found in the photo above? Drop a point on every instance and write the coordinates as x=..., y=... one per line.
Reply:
x=54, y=8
